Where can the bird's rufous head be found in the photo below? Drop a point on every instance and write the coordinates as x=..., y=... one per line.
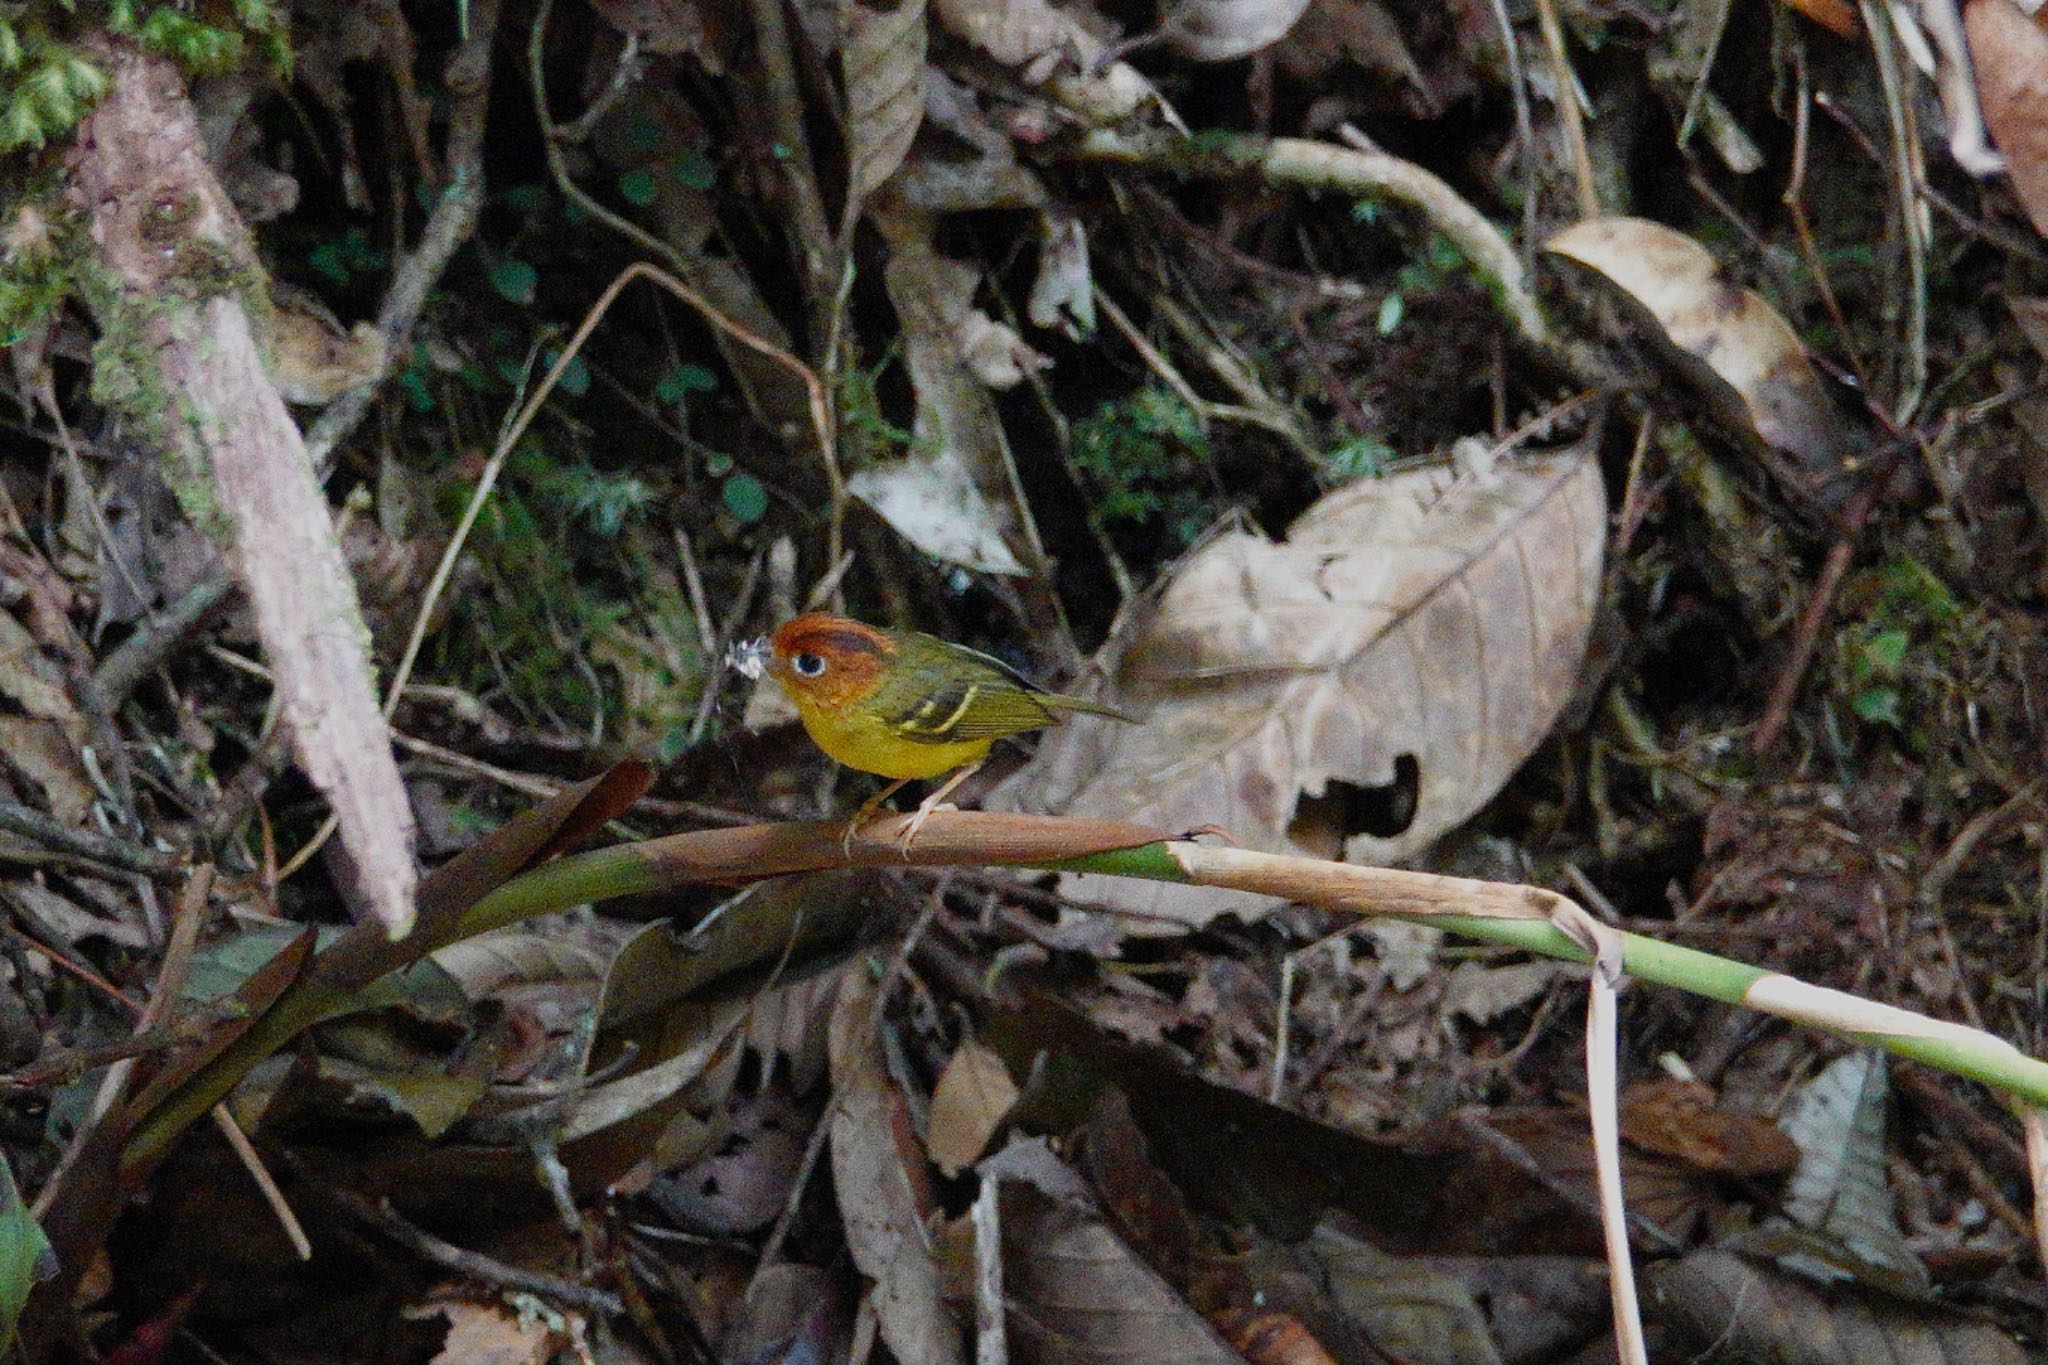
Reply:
x=828, y=661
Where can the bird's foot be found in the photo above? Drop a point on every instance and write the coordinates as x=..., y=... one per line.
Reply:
x=864, y=817
x=917, y=819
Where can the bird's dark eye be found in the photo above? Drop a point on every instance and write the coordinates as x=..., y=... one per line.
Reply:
x=809, y=665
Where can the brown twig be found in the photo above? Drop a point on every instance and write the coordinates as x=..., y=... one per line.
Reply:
x=55, y=1067
x=380, y=1216
x=819, y=399
x=102, y=849
x=266, y=1185
x=154, y=641
x=1820, y=605
x=1794, y=199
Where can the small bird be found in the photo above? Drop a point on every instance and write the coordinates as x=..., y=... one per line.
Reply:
x=901, y=704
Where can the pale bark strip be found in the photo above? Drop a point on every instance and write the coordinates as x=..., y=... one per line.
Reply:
x=173, y=306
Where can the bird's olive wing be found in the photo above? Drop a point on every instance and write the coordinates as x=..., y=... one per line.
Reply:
x=971, y=697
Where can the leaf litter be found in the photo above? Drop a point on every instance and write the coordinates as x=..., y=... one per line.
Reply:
x=1332, y=1145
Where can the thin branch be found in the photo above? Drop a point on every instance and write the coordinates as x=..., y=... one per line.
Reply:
x=469, y=79
x=474, y=1264
x=53, y=833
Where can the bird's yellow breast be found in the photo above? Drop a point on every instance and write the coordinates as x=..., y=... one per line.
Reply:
x=851, y=735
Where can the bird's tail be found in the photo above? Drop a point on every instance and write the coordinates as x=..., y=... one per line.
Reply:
x=1061, y=702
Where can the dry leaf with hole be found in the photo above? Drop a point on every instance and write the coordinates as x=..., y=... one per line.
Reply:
x=970, y=1102
x=1425, y=625
x=1735, y=348
x=2010, y=52
x=950, y=495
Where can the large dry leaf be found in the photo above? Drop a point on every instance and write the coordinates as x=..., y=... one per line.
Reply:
x=1224, y=30
x=1422, y=617
x=1718, y=1306
x=1842, y=1189
x=1406, y=1308
x=1737, y=350
x=2010, y=53
x=885, y=1192
x=1078, y=1294
x=973, y=1097
x=1053, y=48
x=884, y=61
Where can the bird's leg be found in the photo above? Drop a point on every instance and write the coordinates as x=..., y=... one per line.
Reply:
x=931, y=803
x=867, y=813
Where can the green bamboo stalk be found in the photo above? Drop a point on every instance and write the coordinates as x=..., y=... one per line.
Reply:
x=1512, y=915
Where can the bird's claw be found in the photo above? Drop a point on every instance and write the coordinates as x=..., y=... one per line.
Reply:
x=916, y=823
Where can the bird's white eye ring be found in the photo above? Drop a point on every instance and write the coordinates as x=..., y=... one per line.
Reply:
x=808, y=665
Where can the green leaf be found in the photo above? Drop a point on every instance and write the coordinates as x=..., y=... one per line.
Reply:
x=575, y=380
x=197, y=47
x=1392, y=310
x=24, y=1255
x=1878, y=705
x=746, y=498
x=718, y=464
x=19, y=126
x=638, y=188
x=678, y=384
x=1886, y=650
x=329, y=260
x=515, y=281
x=1360, y=457
x=694, y=170
x=259, y=15
x=529, y=198
x=413, y=381
x=642, y=133
x=1910, y=586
